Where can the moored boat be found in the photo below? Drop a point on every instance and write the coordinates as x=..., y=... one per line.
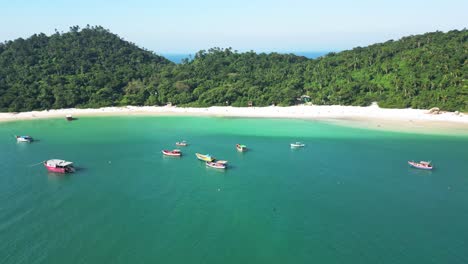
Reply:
x=206, y=157
x=182, y=143
x=69, y=117
x=241, y=148
x=297, y=145
x=59, y=166
x=221, y=161
x=174, y=153
x=24, y=139
x=215, y=165
x=424, y=165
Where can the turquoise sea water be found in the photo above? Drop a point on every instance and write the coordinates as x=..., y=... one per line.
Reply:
x=347, y=197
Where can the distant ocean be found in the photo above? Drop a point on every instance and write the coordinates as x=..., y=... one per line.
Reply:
x=178, y=57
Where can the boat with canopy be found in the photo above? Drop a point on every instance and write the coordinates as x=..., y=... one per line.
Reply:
x=59, y=166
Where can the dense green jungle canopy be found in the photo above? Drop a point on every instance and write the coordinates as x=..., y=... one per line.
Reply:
x=92, y=67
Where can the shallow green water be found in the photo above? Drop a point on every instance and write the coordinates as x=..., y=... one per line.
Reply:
x=347, y=197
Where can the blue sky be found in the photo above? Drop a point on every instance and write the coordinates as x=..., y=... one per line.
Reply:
x=182, y=26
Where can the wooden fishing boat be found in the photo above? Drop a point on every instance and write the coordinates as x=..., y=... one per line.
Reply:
x=215, y=165
x=206, y=157
x=59, y=166
x=24, y=139
x=241, y=148
x=182, y=143
x=297, y=145
x=423, y=165
x=69, y=117
x=174, y=153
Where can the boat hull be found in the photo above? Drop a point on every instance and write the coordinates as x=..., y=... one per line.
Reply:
x=241, y=148
x=22, y=139
x=58, y=170
x=215, y=165
x=297, y=145
x=417, y=166
x=171, y=153
x=204, y=157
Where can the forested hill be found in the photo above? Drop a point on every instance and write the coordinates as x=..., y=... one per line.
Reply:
x=88, y=67
x=93, y=68
x=418, y=71
x=421, y=71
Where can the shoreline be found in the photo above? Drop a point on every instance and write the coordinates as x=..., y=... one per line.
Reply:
x=371, y=117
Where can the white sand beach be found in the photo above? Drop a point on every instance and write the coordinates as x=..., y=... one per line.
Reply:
x=412, y=120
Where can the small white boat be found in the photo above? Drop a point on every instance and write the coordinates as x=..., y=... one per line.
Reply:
x=241, y=148
x=182, y=143
x=215, y=165
x=297, y=145
x=24, y=139
x=423, y=165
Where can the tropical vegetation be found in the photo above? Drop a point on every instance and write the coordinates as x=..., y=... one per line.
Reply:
x=92, y=67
